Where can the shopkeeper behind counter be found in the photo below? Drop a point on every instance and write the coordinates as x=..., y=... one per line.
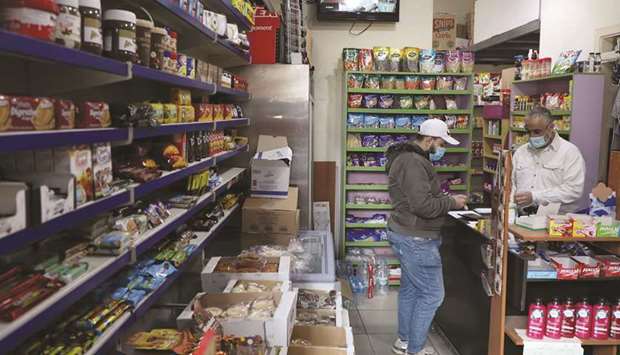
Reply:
x=549, y=169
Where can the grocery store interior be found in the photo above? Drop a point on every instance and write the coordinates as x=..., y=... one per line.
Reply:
x=309, y=177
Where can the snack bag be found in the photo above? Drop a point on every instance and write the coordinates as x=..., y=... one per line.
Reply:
x=371, y=121
x=355, y=81
x=399, y=83
x=388, y=82
x=349, y=59
x=370, y=101
x=460, y=83
x=395, y=59
x=422, y=102
x=372, y=82
x=467, y=62
x=439, y=65
x=566, y=61
x=364, y=60
x=416, y=121
x=451, y=103
x=381, y=58
x=560, y=226
x=412, y=82
x=411, y=58
x=453, y=61
x=403, y=122
x=355, y=100
x=386, y=101
x=428, y=83
x=427, y=60
x=355, y=120
x=386, y=122
x=405, y=102
x=445, y=83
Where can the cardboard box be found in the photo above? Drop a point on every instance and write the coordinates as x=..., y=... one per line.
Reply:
x=252, y=239
x=77, y=161
x=310, y=351
x=444, y=31
x=102, y=169
x=273, y=286
x=217, y=281
x=567, y=268
x=324, y=338
x=266, y=215
x=271, y=167
x=276, y=331
x=13, y=209
x=610, y=265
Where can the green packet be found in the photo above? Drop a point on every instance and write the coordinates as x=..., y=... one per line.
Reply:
x=607, y=229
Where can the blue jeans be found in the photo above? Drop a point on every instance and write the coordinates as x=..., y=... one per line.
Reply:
x=421, y=287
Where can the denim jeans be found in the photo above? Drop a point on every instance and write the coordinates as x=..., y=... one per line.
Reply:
x=421, y=287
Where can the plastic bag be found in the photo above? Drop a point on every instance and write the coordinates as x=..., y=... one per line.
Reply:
x=405, y=102
x=364, y=60
x=355, y=100
x=355, y=81
x=370, y=141
x=453, y=61
x=412, y=82
x=460, y=83
x=386, y=101
x=402, y=122
x=355, y=120
x=467, y=62
x=422, y=102
x=445, y=83
x=349, y=59
x=427, y=60
x=411, y=59
x=428, y=83
x=370, y=101
x=386, y=122
x=381, y=57
x=388, y=82
x=395, y=59
x=451, y=103
x=371, y=121
x=566, y=61
x=372, y=82
x=439, y=65
x=399, y=83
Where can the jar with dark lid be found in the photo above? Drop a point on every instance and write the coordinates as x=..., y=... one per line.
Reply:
x=143, y=39
x=158, y=47
x=119, y=35
x=92, y=37
x=68, y=24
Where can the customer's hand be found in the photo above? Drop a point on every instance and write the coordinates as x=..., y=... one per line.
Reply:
x=524, y=199
x=461, y=201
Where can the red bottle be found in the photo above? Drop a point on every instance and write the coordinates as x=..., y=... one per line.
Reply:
x=536, y=320
x=602, y=319
x=553, y=328
x=583, y=320
x=568, y=319
x=614, y=333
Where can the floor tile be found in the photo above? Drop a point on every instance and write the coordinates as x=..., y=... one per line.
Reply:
x=380, y=322
x=356, y=322
x=382, y=343
x=388, y=302
x=362, y=345
x=440, y=344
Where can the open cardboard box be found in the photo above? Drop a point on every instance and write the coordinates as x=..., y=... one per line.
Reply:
x=271, y=167
x=273, y=286
x=13, y=208
x=276, y=331
x=267, y=215
x=217, y=281
x=311, y=351
x=324, y=337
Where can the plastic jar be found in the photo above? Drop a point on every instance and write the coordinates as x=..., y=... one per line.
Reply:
x=119, y=35
x=158, y=47
x=33, y=18
x=92, y=37
x=143, y=40
x=68, y=27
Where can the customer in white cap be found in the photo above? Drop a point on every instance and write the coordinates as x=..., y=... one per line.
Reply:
x=413, y=230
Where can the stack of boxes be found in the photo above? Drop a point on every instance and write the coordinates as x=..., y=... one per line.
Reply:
x=293, y=32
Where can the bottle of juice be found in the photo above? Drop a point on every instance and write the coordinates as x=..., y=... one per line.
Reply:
x=568, y=320
x=615, y=321
x=583, y=320
x=536, y=320
x=601, y=312
x=553, y=328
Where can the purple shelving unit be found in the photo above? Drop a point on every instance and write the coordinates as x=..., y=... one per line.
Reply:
x=242, y=95
x=142, y=72
x=15, y=141
x=234, y=16
x=168, y=129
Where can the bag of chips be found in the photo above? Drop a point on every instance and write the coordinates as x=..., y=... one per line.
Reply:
x=428, y=83
x=422, y=102
x=402, y=122
x=405, y=102
x=364, y=60
x=566, y=61
x=451, y=103
x=370, y=101
x=381, y=57
x=355, y=120
x=416, y=121
x=399, y=83
x=349, y=59
x=355, y=100
x=355, y=81
x=460, y=83
x=386, y=101
x=439, y=66
x=453, y=61
x=427, y=60
x=412, y=82
x=467, y=62
x=388, y=82
x=445, y=83
x=371, y=121
x=372, y=82
x=386, y=122
x=395, y=59
x=411, y=59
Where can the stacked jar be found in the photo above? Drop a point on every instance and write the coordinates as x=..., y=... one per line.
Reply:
x=119, y=35
x=30, y=18
x=170, y=53
x=68, y=25
x=91, y=33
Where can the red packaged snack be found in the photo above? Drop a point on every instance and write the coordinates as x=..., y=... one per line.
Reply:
x=94, y=115
x=355, y=100
x=4, y=113
x=30, y=113
x=364, y=60
x=567, y=268
x=218, y=112
x=412, y=82
x=610, y=265
x=428, y=83
x=33, y=18
x=64, y=110
x=589, y=268
x=204, y=112
x=228, y=112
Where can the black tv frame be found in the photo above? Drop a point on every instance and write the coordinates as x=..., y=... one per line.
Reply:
x=325, y=15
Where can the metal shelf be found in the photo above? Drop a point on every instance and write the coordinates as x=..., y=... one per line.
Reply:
x=142, y=72
x=175, y=128
x=34, y=140
x=547, y=78
x=409, y=92
x=367, y=244
x=242, y=95
x=408, y=73
x=401, y=130
x=396, y=111
x=542, y=236
x=353, y=206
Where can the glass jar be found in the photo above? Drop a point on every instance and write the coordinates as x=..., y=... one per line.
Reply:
x=30, y=18
x=143, y=40
x=158, y=47
x=91, y=35
x=68, y=25
x=119, y=35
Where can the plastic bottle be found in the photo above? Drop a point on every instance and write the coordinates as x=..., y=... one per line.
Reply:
x=601, y=312
x=553, y=328
x=536, y=320
x=568, y=319
x=598, y=62
x=590, y=63
x=382, y=276
x=583, y=320
x=614, y=333
x=363, y=274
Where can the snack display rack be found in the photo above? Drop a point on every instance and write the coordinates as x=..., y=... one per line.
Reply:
x=372, y=179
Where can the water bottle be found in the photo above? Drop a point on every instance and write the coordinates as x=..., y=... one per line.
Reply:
x=382, y=272
x=363, y=274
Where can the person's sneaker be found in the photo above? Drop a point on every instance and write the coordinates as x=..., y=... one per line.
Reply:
x=400, y=347
x=426, y=351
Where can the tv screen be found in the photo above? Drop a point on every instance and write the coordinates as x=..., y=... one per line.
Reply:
x=368, y=10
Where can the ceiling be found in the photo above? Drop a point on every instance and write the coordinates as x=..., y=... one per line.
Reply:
x=502, y=48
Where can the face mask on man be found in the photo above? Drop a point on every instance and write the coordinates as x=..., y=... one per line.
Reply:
x=538, y=142
x=437, y=152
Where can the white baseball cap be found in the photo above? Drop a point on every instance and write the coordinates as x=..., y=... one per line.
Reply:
x=438, y=129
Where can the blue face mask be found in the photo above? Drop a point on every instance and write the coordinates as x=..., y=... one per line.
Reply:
x=438, y=154
x=538, y=142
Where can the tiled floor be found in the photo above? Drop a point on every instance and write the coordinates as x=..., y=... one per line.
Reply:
x=375, y=324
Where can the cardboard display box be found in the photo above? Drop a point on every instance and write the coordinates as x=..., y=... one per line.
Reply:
x=217, y=281
x=252, y=239
x=324, y=338
x=275, y=286
x=271, y=167
x=265, y=215
x=276, y=331
x=13, y=209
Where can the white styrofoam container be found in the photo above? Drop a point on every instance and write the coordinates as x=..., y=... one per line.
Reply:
x=217, y=281
x=283, y=287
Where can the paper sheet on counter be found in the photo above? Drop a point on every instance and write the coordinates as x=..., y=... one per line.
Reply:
x=549, y=346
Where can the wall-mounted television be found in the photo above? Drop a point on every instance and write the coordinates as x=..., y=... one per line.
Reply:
x=365, y=10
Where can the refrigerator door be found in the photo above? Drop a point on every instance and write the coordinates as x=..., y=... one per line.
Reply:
x=280, y=106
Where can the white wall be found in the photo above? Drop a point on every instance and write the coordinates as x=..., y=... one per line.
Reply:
x=493, y=17
x=571, y=24
x=458, y=8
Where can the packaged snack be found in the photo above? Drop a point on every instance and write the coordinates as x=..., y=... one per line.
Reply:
x=453, y=61
x=422, y=102
x=412, y=82
x=439, y=65
x=170, y=113
x=427, y=60
x=395, y=59
x=372, y=81
x=402, y=122
x=370, y=101
x=386, y=122
x=386, y=140
x=388, y=82
x=102, y=169
x=431, y=103
x=584, y=226
x=355, y=120
x=218, y=112
x=607, y=227
x=399, y=83
x=355, y=100
x=157, y=110
x=186, y=113
x=364, y=60
x=355, y=81
x=181, y=96
x=462, y=121
x=370, y=141
x=405, y=102
x=445, y=83
x=94, y=115
x=450, y=121
x=354, y=140
x=411, y=58
x=460, y=83
x=428, y=83
x=349, y=59
x=22, y=113
x=204, y=112
x=467, y=62
x=65, y=111
x=386, y=101
x=416, y=121
x=560, y=226
x=566, y=61
x=371, y=121
x=451, y=103
x=381, y=57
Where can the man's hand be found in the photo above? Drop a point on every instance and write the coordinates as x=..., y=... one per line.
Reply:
x=524, y=199
x=461, y=201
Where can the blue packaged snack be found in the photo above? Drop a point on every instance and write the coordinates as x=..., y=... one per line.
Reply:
x=386, y=122
x=371, y=121
x=402, y=122
x=416, y=121
x=427, y=60
x=386, y=140
x=355, y=160
x=119, y=293
x=370, y=101
x=370, y=141
x=381, y=159
x=134, y=296
x=401, y=139
x=162, y=270
x=386, y=101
